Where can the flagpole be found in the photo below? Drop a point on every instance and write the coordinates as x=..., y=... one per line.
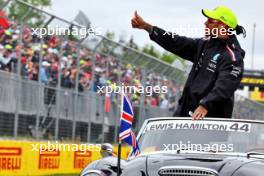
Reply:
x=119, y=159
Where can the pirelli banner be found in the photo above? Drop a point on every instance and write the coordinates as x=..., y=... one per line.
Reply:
x=257, y=95
x=47, y=158
x=255, y=81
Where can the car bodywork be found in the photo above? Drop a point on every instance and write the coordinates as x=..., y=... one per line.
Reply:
x=189, y=162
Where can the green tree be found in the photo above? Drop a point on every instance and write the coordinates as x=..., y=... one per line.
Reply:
x=110, y=35
x=17, y=10
x=168, y=57
x=150, y=50
x=107, y=45
x=132, y=44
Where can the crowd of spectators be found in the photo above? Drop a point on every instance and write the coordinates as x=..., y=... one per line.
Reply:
x=59, y=53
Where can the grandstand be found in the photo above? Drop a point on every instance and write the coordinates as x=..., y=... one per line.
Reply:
x=49, y=84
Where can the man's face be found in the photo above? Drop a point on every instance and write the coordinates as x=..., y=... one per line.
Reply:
x=215, y=28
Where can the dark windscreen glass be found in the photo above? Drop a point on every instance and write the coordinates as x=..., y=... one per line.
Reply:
x=215, y=136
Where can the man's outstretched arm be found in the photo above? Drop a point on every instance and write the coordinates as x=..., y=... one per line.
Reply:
x=179, y=45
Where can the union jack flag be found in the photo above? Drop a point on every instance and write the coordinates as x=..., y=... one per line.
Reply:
x=126, y=134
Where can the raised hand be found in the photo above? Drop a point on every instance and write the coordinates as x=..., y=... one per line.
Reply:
x=138, y=22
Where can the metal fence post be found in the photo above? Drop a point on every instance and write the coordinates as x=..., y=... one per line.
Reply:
x=58, y=93
x=40, y=100
x=76, y=89
x=18, y=82
x=93, y=57
x=118, y=105
x=142, y=100
x=90, y=118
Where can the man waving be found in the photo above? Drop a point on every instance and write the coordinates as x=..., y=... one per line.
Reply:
x=217, y=63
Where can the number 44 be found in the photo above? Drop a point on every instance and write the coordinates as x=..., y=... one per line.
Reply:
x=239, y=127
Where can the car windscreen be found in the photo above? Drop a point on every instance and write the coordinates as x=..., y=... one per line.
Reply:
x=204, y=135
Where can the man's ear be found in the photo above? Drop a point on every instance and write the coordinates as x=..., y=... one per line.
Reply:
x=223, y=28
